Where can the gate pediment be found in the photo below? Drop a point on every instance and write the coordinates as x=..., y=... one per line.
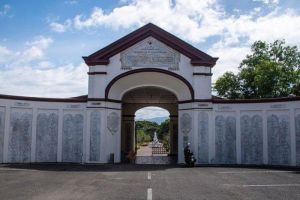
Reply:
x=170, y=45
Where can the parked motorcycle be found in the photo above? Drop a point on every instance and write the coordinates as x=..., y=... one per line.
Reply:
x=189, y=157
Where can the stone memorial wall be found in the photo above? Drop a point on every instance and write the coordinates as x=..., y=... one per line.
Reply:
x=250, y=134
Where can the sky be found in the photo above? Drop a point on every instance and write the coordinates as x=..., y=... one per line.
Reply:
x=42, y=42
x=150, y=113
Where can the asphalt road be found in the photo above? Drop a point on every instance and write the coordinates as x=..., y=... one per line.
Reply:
x=106, y=182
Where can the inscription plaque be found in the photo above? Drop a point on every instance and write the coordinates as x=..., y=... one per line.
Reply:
x=186, y=123
x=150, y=53
x=113, y=122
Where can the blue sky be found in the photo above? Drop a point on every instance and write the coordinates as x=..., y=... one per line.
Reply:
x=41, y=42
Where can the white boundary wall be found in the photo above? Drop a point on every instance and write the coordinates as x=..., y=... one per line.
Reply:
x=240, y=133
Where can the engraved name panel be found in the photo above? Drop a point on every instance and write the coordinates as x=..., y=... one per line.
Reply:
x=203, y=137
x=225, y=140
x=252, y=139
x=19, y=146
x=46, y=137
x=279, y=148
x=150, y=53
x=95, y=139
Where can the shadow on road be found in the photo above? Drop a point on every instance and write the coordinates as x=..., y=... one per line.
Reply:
x=90, y=167
x=129, y=167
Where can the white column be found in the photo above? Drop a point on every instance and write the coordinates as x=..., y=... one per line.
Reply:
x=173, y=136
x=118, y=140
x=85, y=152
x=293, y=137
x=238, y=137
x=33, y=135
x=104, y=138
x=265, y=138
x=60, y=131
x=185, y=109
x=6, y=133
x=212, y=144
x=87, y=135
x=194, y=132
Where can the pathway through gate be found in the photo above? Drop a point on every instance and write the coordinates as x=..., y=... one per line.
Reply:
x=154, y=155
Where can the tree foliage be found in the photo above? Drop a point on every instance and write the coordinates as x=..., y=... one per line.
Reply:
x=145, y=130
x=271, y=70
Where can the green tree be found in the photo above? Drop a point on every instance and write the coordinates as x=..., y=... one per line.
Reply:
x=271, y=70
x=228, y=86
x=145, y=130
x=163, y=129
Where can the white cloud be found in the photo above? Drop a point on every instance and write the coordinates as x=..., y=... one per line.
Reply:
x=63, y=81
x=268, y=1
x=190, y=19
x=60, y=28
x=28, y=73
x=194, y=20
x=57, y=27
x=71, y=2
x=5, y=53
x=34, y=51
x=242, y=31
x=4, y=10
x=151, y=112
x=40, y=42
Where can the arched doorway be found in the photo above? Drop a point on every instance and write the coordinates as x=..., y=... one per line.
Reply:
x=134, y=89
x=137, y=99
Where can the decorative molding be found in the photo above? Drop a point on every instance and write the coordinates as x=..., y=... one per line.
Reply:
x=128, y=115
x=202, y=74
x=235, y=101
x=105, y=99
x=196, y=109
x=74, y=100
x=104, y=108
x=85, y=99
x=96, y=73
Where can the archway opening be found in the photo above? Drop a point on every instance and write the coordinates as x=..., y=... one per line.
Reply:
x=149, y=126
x=152, y=132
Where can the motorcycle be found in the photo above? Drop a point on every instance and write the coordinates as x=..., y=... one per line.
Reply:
x=189, y=157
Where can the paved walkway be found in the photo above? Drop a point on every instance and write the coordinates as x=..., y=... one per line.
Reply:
x=146, y=182
x=144, y=151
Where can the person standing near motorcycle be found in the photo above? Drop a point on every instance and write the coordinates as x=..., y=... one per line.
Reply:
x=189, y=156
